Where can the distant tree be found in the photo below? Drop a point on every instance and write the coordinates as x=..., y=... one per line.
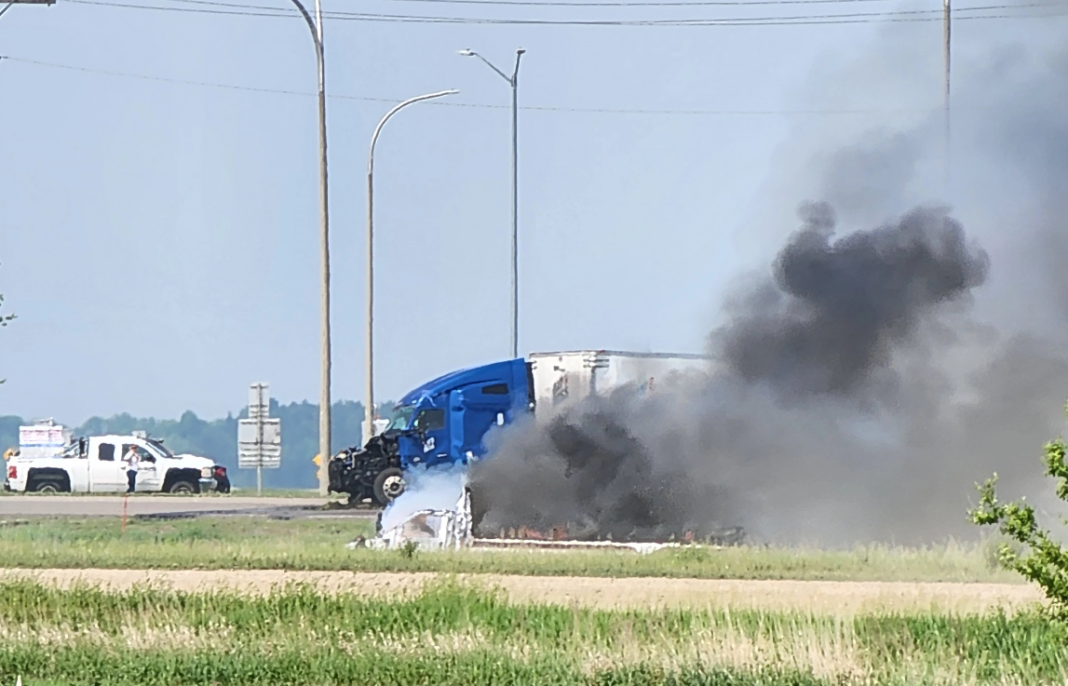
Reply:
x=5, y=319
x=9, y=432
x=1042, y=560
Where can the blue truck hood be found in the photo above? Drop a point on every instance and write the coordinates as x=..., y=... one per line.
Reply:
x=453, y=380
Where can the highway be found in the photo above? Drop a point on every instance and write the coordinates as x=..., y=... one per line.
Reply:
x=169, y=506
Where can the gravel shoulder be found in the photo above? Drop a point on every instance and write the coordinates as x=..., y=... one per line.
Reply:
x=822, y=597
x=12, y=506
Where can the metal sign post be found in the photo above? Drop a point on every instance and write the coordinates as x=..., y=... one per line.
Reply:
x=259, y=438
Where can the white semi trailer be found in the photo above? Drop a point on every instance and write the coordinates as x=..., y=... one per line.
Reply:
x=561, y=378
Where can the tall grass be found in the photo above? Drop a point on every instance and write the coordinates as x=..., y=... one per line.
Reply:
x=453, y=634
x=310, y=544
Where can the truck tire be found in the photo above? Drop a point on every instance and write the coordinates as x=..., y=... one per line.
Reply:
x=389, y=484
x=46, y=486
x=181, y=486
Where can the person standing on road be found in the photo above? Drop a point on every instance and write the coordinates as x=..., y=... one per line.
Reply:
x=132, y=460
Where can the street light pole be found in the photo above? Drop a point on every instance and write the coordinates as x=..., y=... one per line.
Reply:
x=946, y=11
x=316, y=28
x=369, y=396
x=513, y=81
x=8, y=5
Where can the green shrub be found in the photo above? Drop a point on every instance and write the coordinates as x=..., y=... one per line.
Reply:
x=1038, y=557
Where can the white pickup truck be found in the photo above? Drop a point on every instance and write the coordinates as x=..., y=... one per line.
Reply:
x=94, y=465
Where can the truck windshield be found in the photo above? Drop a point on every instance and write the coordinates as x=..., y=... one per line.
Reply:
x=73, y=450
x=159, y=448
x=400, y=418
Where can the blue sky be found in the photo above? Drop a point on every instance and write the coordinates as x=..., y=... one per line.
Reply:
x=159, y=240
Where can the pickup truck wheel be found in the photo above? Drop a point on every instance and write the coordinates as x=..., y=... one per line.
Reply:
x=389, y=484
x=183, y=487
x=46, y=486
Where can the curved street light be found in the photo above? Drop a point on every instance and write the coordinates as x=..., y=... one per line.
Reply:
x=8, y=5
x=369, y=397
x=316, y=28
x=513, y=81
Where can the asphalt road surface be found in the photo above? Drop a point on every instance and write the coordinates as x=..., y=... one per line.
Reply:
x=169, y=506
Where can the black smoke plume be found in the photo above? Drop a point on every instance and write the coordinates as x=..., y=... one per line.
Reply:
x=827, y=322
x=833, y=312
x=881, y=367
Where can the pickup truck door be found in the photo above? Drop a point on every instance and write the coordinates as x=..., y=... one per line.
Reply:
x=76, y=464
x=148, y=478
x=106, y=471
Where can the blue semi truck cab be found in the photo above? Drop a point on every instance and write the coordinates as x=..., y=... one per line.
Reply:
x=443, y=422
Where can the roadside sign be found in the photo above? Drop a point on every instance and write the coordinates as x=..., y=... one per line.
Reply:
x=259, y=400
x=259, y=438
x=259, y=443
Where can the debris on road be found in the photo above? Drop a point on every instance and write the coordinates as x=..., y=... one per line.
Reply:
x=430, y=529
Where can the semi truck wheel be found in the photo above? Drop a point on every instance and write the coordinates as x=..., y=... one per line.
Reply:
x=389, y=484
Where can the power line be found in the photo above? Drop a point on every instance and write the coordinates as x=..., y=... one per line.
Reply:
x=535, y=108
x=635, y=3
x=851, y=18
x=938, y=12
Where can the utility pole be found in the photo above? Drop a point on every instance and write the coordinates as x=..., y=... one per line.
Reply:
x=513, y=81
x=945, y=105
x=369, y=395
x=258, y=388
x=316, y=28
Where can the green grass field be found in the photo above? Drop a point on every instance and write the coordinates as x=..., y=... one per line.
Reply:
x=450, y=634
x=317, y=544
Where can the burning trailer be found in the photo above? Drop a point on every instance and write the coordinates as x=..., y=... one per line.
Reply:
x=456, y=527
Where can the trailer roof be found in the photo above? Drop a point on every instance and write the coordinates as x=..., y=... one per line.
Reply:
x=624, y=353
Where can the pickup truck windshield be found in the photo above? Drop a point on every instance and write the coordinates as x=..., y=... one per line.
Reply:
x=159, y=448
x=400, y=418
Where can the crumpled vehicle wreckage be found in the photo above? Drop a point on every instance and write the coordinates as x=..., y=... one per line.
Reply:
x=452, y=529
x=428, y=529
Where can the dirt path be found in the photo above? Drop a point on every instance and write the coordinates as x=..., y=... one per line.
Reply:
x=161, y=505
x=834, y=597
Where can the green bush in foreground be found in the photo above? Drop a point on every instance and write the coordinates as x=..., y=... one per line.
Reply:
x=1043, y=561
x=455, y=634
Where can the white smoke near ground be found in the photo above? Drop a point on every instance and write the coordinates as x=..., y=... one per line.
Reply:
x=437, y=488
